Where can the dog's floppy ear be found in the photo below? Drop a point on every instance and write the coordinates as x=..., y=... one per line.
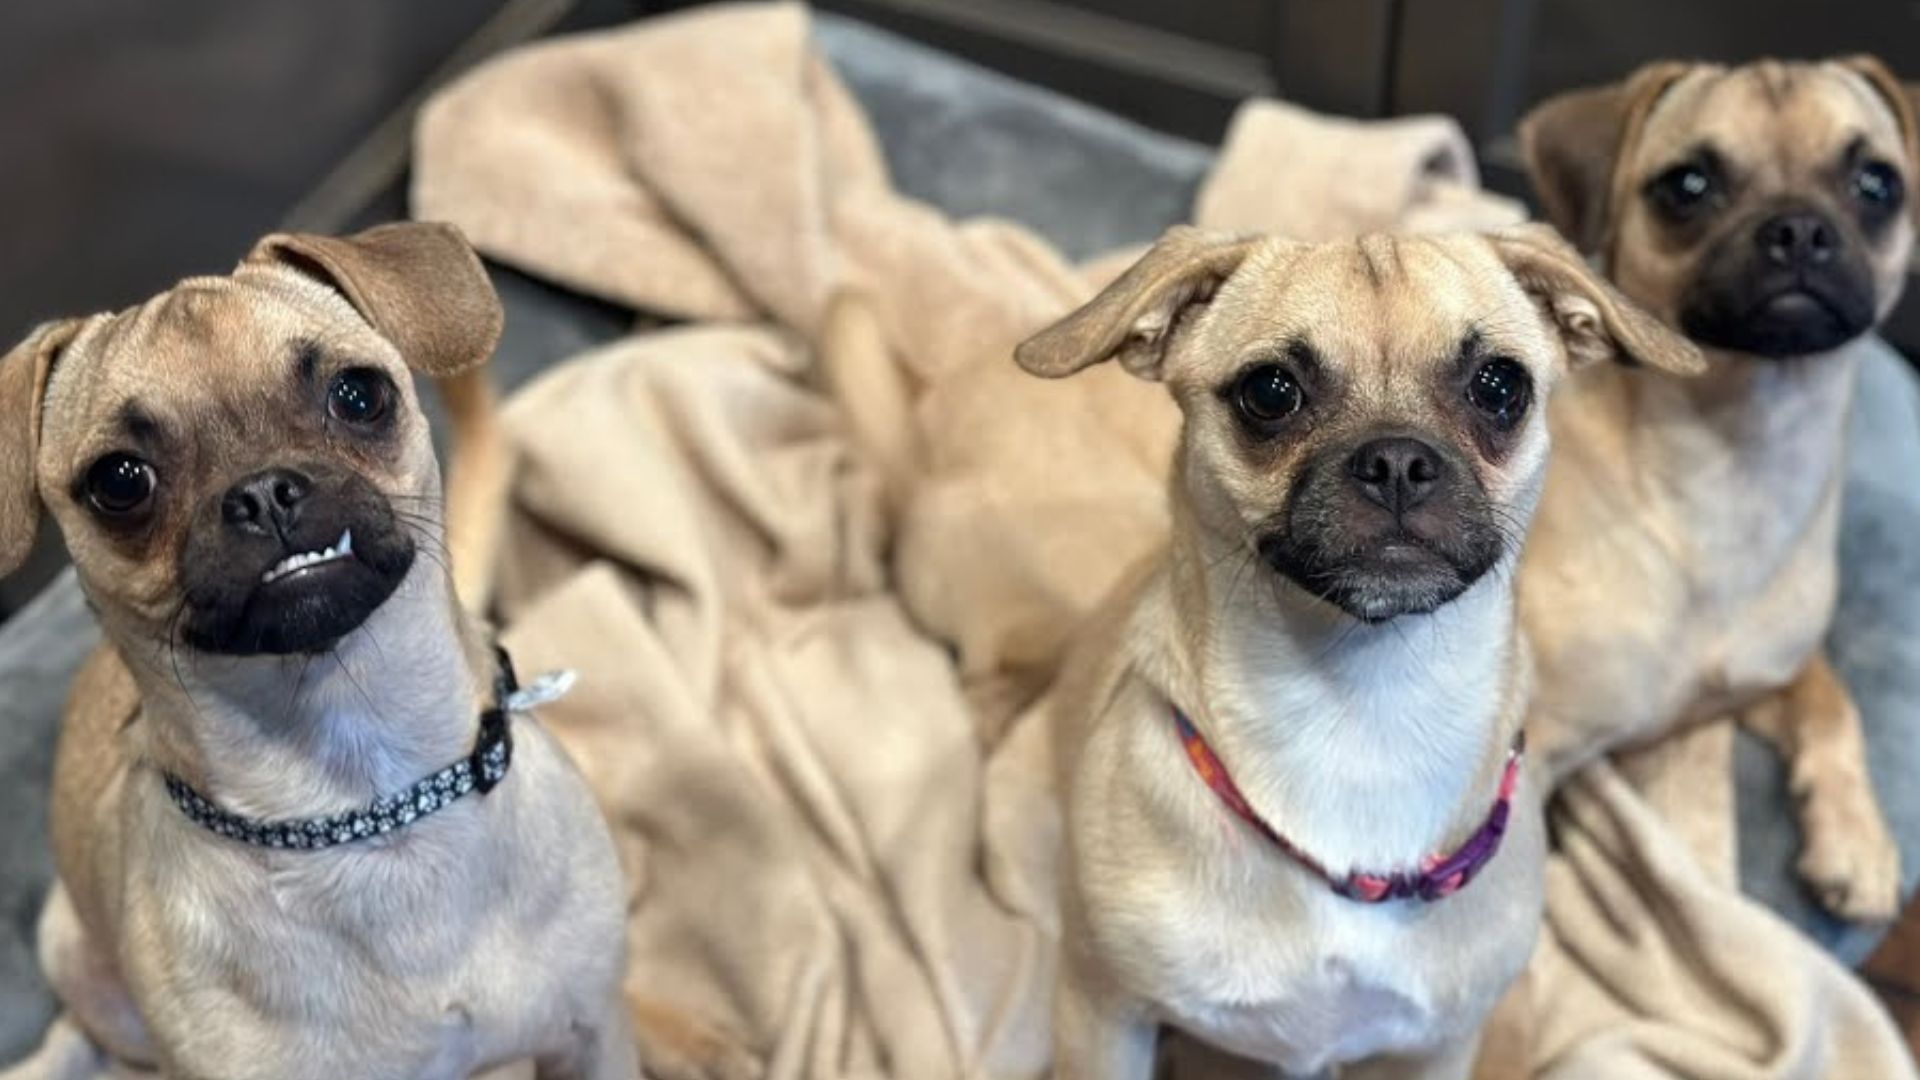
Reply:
x=1572, y=143
x=418, y=283
x=23, y=385
x=1594, y=319
x=1904, y=101
x=1134, y=318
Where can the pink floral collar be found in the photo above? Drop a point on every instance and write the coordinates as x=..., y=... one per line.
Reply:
x=1439, y=876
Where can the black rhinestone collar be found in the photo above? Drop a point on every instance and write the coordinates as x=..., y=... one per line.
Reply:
x=479, y=771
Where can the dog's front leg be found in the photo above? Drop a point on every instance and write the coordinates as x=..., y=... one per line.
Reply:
x=1848, y=856
x=1096, y=1037
x=602, y=1048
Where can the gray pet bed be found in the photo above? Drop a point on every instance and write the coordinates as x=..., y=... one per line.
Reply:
x=968, y=141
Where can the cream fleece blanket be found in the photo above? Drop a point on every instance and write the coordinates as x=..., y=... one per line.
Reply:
x=796, y=660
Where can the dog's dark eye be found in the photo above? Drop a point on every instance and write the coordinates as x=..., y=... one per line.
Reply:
x=1267, y=395
x=1682, y=190
x=359, y=396
x=1878, y=185
x=1501, y=389
x=119, y=484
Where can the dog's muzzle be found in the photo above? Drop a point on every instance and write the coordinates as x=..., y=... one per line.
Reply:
x=290, y=560
x=1793, y=284
x=1394, y=526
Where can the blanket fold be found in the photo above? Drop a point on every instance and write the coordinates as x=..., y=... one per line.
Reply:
x=1650, y=967
x=794, y=689
x=1324, y=178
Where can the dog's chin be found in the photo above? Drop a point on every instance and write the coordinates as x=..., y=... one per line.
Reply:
x=1784, y=323
x=1382, y=581
x=307, y=611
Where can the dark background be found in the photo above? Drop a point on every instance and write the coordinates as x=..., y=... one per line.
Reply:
x=141, y=142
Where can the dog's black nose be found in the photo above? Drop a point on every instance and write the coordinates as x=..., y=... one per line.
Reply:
x=265, y=503
x=1398, y=473
x=1796, y=239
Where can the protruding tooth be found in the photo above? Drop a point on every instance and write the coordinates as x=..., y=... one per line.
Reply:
x=311, y=558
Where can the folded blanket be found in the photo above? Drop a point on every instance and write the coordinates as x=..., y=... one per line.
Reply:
x=792, y=655
x=1650, y=967
x=790, y=764
x=1323, y=178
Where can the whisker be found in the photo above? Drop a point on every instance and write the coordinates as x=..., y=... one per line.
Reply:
x=173, y=654
x=1250, y=556
x=358, y=688
x=293, y=699
x=1339, y=639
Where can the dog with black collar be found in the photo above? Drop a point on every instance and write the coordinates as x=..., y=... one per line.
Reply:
x=1290, y=750
x=303, y=825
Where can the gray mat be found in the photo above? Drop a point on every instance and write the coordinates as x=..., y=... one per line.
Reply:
x=39, y=649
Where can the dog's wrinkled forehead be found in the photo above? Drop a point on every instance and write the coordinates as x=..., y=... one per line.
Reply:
x=1382, y=310
x=209, y=349
x=1777, y=121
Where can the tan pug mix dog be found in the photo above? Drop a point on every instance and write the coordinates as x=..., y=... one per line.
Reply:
x=1334, y=617
x=1683, y=564
x=244, y=478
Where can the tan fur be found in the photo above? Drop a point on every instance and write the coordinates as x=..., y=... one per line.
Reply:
x=444, y=331
x=23, y=382
x=488, y=933
x=1814, y=725
x=1372, y=745
x=680, y=1046
x=862, y=375
x=1006, y=660
x=1507, y=1040
x=479, y=476
x=1683, y=563
x=1573, y=148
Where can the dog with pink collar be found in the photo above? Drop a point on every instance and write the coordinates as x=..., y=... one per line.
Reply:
x=1290, y=749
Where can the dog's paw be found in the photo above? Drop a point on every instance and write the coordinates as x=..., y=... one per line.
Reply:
x=1850, y=860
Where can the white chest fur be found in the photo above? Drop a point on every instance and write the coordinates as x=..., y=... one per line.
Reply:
x=1365, y=741
x=1230, y=940
x=1753, y=472
x=1685, y=558
x=1364, y=754
x=416, y=943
